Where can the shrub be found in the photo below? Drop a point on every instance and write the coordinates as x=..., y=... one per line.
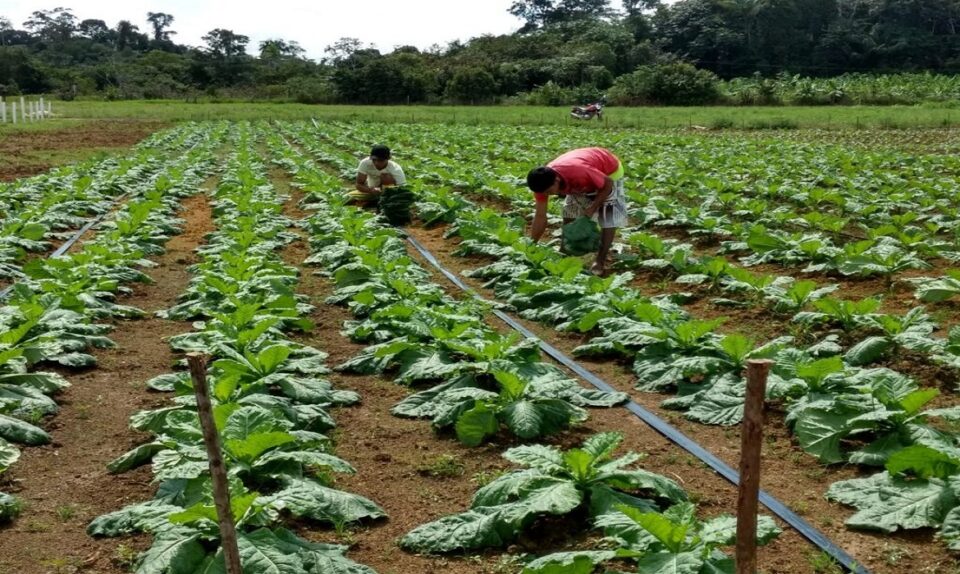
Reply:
x=676, y=83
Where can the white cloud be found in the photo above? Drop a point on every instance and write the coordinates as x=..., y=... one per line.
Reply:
x=315, y=25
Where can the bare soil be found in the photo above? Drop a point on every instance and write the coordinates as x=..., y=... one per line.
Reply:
x=65, y=485
x=31, y=152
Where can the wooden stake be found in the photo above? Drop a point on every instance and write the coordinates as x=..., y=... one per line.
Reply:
x=218, y=471
x=751, y=439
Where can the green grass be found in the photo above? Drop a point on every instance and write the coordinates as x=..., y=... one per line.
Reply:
x=48, y=125
x=763, y=118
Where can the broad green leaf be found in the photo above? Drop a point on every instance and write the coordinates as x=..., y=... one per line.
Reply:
x=9, y=454
x=579, y=463
x=310, y=499
x=819, y=433
x=923, y=462
x=474, y=425
x=479, y=528
x=868, y=350
x=177, y=551
x=601, y=446
x=532, y=419
x=249, y=448
x=271, y=357
x=21, y=432
x=262, y=552
x=582, y=562
x=669, y=534
x=667, y=563
x=913, y=402
x=950, y=531
x=136, y=457
x=543, y=458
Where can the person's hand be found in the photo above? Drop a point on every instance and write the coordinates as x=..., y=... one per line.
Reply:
x=590, y=211
x=375, y=190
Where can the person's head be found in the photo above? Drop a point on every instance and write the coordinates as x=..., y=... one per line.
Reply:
x=380, y=154
x=544, y=180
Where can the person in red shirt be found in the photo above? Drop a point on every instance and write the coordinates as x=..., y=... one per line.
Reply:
x=591, y=180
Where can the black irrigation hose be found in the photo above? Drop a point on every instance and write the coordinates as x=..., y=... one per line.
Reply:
x=656, y=423
x=75, y=237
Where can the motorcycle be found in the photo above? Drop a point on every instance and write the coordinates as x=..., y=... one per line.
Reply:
x=588, y=112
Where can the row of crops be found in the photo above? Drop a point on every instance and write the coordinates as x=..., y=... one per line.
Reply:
x=56, y=312
x=840, y=405
x=475, y=382
x=708, y=214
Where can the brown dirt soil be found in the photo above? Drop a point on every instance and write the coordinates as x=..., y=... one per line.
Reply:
x=29, y=153
x=65, y=485
x=792, y=476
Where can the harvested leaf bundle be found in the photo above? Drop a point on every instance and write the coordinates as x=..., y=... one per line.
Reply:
x=580, y=237
x=395, y=205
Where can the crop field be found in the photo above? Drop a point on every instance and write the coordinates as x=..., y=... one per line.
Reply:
x=375, y=417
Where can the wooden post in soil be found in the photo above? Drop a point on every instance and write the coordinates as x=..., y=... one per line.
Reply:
x=218, y=471
x=751, y=436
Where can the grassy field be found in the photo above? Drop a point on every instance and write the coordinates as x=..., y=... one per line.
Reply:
x=851, y=117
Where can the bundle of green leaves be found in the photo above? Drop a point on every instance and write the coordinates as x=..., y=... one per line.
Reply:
x=580, y=237
x=395, y=205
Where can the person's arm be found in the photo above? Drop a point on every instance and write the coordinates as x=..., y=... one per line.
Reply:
x=539, y=224
x=362, y=184
x=602, y=196
x=398, y=175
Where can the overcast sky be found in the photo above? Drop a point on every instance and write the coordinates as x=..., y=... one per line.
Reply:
x=314, y=24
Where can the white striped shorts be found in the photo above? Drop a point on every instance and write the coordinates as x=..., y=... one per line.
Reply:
x=612, y=214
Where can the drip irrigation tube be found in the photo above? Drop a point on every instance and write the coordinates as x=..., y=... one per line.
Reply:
x=656, y=423
x=75, y=237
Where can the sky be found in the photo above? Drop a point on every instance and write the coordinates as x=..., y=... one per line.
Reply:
x=315, y=25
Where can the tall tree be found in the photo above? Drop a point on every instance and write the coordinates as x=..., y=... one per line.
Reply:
x=96, y=30
x=224, y=43
x=55, y=25
x=5, y=28
x=126, y=34
x=539, y=13
x=342, y=49
x=276, y=48
x=160, y=23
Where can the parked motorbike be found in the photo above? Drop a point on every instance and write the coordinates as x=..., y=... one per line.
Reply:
x=588, y=112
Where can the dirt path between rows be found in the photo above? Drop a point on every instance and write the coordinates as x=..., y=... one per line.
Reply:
x=65, y=485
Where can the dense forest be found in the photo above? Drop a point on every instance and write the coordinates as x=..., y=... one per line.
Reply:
x=640, y=51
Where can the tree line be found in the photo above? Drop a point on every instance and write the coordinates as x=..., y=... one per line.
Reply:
x=638, y=51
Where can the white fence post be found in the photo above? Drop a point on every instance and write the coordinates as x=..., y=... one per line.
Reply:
x=23, y=110
x=30, y=116
x=14, y=105
x=50, y=108
x=43, y=109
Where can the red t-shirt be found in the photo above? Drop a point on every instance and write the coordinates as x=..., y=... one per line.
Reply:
x=583, y=170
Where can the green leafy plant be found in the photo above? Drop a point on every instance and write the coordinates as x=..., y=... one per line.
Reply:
x=555, y=483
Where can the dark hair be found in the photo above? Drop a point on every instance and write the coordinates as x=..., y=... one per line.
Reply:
x=541, y=178
x=380, y=152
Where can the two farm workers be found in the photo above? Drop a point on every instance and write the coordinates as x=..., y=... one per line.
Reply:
x=591, y=181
